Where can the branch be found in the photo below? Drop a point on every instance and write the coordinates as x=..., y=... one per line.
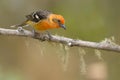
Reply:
x=104, y=45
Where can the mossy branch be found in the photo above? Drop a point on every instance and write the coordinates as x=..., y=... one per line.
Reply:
x=104, y=45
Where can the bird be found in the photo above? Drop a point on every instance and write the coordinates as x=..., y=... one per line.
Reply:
x=43, y=20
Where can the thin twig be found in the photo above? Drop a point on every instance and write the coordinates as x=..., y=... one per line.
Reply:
x=105, y=45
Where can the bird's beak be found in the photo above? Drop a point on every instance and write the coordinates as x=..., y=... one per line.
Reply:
x=63, y=26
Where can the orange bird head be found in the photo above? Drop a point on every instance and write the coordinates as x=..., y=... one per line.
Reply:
x=57, y=21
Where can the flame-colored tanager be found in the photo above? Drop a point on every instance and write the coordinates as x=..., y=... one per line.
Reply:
x=44, y=20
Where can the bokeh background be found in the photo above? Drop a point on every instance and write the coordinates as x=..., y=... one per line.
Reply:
x=24, y=58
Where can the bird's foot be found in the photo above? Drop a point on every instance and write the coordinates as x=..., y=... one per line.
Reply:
x=49, y=35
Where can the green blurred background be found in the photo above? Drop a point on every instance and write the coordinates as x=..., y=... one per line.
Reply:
x=24, y=58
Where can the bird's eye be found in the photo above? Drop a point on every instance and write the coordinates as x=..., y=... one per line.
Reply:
x=59, y=20
x=56, y=20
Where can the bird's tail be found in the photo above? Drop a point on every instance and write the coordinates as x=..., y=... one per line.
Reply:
x=23, y=24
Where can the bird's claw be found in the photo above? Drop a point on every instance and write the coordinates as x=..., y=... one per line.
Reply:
x=42, y=36
x=49, y=35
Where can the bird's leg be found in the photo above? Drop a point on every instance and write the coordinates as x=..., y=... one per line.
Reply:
x=35, y=33
x=39, y=35
x=49, y=35
x=42, y=36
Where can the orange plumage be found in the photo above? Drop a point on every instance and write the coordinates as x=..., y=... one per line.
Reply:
x=44, y=20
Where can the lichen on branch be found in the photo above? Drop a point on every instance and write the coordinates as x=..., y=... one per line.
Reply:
x=104, y=45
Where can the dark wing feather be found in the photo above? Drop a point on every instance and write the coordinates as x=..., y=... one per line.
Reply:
x=38, y=15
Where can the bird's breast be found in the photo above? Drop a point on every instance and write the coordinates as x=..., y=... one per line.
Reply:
x=44, y=25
